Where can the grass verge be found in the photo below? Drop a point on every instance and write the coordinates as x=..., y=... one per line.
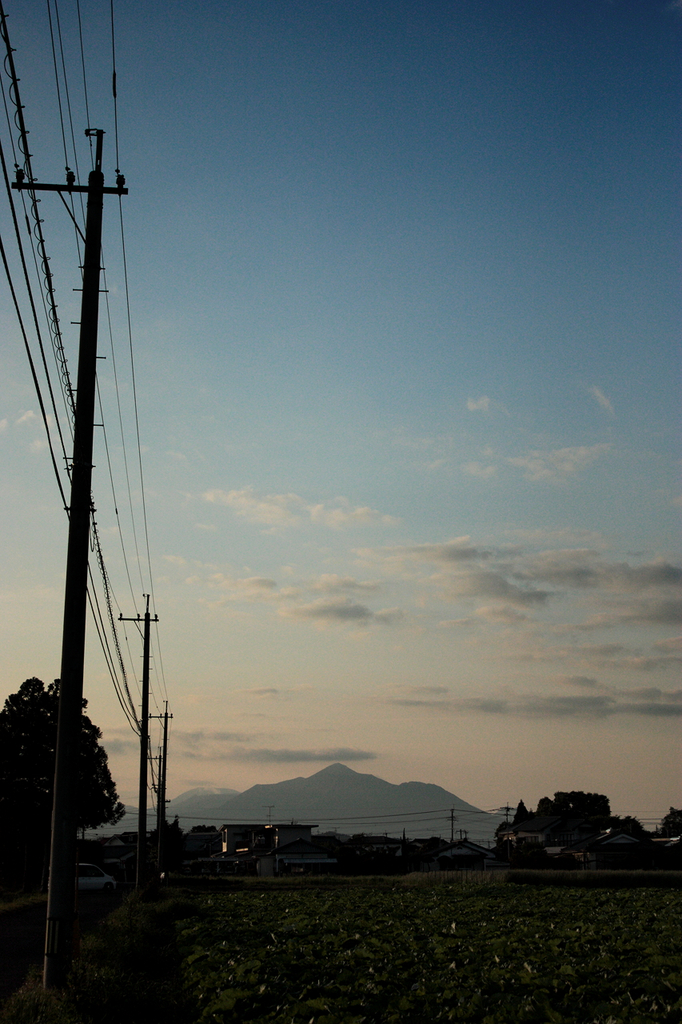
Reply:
x=598, y=879
x=128, y=971
x=10, y=900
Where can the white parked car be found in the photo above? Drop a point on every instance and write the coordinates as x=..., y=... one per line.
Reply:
x=90, y=878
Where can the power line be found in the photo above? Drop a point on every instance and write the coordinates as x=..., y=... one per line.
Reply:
x=358, y=818
x=50, y=309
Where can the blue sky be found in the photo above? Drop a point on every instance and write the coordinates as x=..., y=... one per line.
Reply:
x=404, y=286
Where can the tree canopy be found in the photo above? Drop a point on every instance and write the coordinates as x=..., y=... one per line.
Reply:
x=522, y=813
x=28, y=737
x=595, y=808
x=575, y=804
x=671, y=824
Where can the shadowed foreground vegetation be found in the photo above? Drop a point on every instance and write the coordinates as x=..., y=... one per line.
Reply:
x=11, y=900
x=129, y=971
x=381, y=950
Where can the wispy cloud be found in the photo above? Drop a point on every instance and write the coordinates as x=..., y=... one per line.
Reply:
x=481, y=404
x=269, y=510
x=341, y=610
x=647, y=703
x=208, y=744
x=564, y=536
x=275, y=692
x=601, y=400
x=556, y=466
x=585, y=568
x=267, y=692
x=459, y=549
x=115, y=745
x=331, y=583
x=254, y=583
x=580, y=682
x=286, y=510
x=204, y=738
x=654, y=612
x=430, y=691
x=479, y=470
x=481, y=583
x=248, y=588
x=27, y=417
x=272, y=755
x=501, y=613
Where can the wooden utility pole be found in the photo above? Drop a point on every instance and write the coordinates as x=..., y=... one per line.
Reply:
x=141, y=867
x=61, y=900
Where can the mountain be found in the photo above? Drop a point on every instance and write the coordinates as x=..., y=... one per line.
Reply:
x=202, y=806
x=339, y=798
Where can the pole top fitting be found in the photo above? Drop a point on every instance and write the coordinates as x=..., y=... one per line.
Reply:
x=99, y=135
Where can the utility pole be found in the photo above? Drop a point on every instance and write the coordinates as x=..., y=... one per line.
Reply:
x=161, y=795
x=61, y=901
x=453, y=819
x=140, y=870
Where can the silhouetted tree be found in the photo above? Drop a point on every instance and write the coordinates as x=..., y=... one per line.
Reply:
x=172, y=845
x=28, y=737
x=671, y=824
x=575, y=804
x=522, y=814
x=595, y=808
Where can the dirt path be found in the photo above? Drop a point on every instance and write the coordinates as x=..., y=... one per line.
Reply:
x=22, y=935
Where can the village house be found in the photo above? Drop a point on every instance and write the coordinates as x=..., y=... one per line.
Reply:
x=460, y=855
x=119, y=856
x=200, y=845
x=243, y=846
x=611, y=850
x=551, y=833
x=299, y=857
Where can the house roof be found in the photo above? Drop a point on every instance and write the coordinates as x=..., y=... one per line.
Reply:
x=289, y=824
x=299, y=846
x=463, y=846
x=613, y=838
x=363, y=839
x=554, y=823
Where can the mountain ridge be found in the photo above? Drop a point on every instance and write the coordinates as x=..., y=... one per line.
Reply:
x=337, y=798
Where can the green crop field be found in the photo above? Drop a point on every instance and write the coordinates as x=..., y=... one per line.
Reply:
x=494, y=954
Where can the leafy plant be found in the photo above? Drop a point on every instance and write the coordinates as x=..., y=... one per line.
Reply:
x=490, y=954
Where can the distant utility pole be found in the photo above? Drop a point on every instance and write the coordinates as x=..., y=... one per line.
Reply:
x=61, y=901
x=453, y=819
x=140, y=870
x=161, y=796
